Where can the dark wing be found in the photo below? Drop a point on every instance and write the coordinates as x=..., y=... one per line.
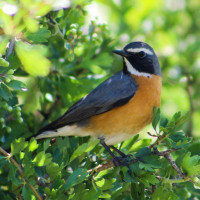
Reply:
x=113, y=92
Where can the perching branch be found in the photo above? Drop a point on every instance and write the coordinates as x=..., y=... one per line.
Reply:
x=109, y=165
x=99, y=168
x=155, y=151
x=3, y=152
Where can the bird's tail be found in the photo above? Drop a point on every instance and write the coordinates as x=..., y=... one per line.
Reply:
x=69, y=130
x=47, y=134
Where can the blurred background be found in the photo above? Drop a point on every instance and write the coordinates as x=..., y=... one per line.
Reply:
x=63, y=49
x=172, y=28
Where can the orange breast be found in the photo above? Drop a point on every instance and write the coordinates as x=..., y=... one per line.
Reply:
x=132, y=117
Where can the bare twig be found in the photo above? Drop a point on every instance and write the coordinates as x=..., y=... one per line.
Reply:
x=173, y=164
x=167, y=155
x=159, y=138
x=50, y=19
x=151, y=134
x=56, y=26
x=3, y=152
x=99, y=168
x=109, y=165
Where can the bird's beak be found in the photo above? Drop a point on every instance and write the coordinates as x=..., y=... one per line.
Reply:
x=121, y=53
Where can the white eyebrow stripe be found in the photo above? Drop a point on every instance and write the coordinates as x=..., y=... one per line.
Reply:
x=136, y=50
x=132, y=70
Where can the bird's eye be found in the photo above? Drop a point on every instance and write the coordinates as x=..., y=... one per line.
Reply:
x=142, y=54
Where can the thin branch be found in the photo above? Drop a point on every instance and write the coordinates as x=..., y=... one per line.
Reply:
x=50, y=19
x=159, y=138
x=99, y=168
x=167, y=155
x=151, y=134
x=56, y=26
x=11, y=47
x=3, y=152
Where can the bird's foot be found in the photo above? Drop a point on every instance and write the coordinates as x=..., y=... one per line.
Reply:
x=123, y=161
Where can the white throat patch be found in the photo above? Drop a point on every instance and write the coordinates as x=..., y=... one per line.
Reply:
x=137, y=50
x=132, y=70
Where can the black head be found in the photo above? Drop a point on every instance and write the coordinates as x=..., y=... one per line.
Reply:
x=139, y=59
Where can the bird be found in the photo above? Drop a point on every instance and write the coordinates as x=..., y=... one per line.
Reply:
x=119, y=107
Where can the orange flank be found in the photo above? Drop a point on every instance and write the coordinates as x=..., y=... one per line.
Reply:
x=123, y=122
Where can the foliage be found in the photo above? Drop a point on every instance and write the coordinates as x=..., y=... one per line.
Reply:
x=50, y=57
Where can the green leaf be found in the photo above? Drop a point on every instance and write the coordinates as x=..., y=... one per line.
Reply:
x=176, y=116
x=12, y=173
x=81, y=149
x=156, y=118
x=191, y=165
x=84, y=148
x=18, y=145
x=46, y=144
x=169, y=142
x=143, y=152
x=42, y=159
x=76, y=177
x=40, y=36
x=137, y=191
x=5, y=93
x=178, y=120
x=32, y=58
x=92, y=194
x=163, y=122
x=105, y=184
x=53, y=169
x=127, y=144
x=162, y=193
x=140, y=144
x=16, y=85
x=146, y=167
x=28, y=170
x=27, y=192
x=32, y=145
x=149, y=179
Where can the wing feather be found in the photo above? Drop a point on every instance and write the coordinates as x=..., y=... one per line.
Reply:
x=113, y=92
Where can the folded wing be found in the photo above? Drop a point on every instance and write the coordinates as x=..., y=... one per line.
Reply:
x=113, y=92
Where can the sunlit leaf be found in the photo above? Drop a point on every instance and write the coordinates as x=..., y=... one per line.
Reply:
x=42, y=159
x=32, y=58
x=18, y=145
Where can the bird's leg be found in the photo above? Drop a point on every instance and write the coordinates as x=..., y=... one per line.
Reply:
x=123, y=155
x=102, y=141
x=117, y=160
x=119, y=152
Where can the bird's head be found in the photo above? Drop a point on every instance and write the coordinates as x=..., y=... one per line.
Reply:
x=139, y=59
